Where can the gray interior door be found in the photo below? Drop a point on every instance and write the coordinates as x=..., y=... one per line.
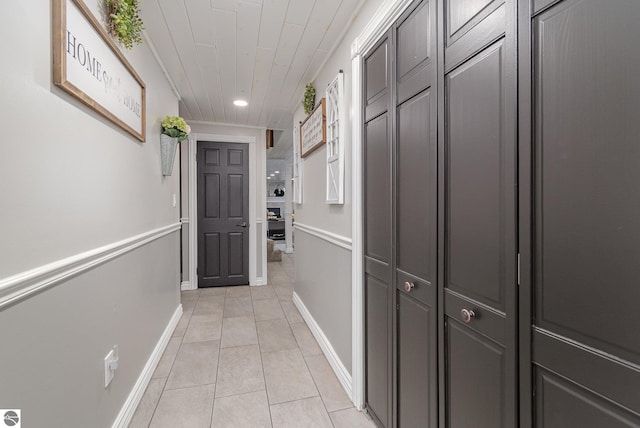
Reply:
x=478, y=182
x=223, y=214
x=586, y=213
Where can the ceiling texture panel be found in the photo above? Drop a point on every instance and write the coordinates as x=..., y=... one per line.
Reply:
x=261, y=51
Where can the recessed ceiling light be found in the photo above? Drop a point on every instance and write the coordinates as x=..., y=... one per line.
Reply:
x=273, y=175
x=240, y=103
x=268, y=178
x=277, y=172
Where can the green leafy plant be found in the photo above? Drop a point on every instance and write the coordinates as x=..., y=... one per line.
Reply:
x=309, y=100
x=176, y=127
x=124, y=21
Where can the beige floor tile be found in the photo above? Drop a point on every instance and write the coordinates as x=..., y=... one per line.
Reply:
x=309, y=413
x=239, y=371
x=239, y=331
x=188, y=305
x=181, y=328
x=238, y=307
x=213, y=291
x=204, y=327
x=284, y=292
x=144, y=412
x=275, y=335
x=242, y=411
x=332, y=393
x=209, y=304
x=185, y=407
x=166, y=361
x=238, y=291
x=305, y=339
x=291, y=312
x=263, y=292
x=190, y=294
x=267, y=309
x=351, y=418
x=287, y=376
x=195, y=364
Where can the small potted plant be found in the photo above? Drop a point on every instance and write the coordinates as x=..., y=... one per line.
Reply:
x=174, y=130
x=124, y=22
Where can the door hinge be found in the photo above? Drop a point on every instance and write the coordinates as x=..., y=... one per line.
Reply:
x=397, y=306
x=518, y=268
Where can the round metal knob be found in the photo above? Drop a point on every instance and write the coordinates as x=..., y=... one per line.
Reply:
x=467, y=315
x=408, y=286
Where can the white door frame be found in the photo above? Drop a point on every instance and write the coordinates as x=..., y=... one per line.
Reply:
x=193, y=203
x=382, y=20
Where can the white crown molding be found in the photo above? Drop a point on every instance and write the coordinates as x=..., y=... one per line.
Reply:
x=381, y=21
x=338, y=367
x=231, y=125
x=133, y=400
x=23, y=285
x=153, y=50
x=339, y=240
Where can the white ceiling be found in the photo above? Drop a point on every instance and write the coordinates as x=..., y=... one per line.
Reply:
x=263, y=51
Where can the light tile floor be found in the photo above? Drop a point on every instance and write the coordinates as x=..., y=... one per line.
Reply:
x=244, y=357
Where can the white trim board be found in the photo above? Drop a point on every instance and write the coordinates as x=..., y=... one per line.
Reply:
x=339, y=369
x=25, y=284
x=133, y=400
x=335, y=239
x=381, y=21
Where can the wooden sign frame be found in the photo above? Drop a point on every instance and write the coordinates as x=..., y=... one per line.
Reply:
x=313, y=131
x=99, y=76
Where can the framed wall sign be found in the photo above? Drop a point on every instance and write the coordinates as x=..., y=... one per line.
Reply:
x=313, y=131
x=89, y=65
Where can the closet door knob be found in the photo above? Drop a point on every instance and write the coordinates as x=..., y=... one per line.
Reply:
x=467, y=315
x=408, y=286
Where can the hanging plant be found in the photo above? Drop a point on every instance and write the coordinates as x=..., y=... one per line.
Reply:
x=124, y=22
x=309, y=100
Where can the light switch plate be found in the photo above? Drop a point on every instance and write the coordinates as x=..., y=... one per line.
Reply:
x=108, y=373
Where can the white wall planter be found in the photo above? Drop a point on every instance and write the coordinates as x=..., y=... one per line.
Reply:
x=168, y=146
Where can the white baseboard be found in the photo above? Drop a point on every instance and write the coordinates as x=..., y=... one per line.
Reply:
x=130, y=406
x=186, y=285
x=339, y=369
x=258, y=282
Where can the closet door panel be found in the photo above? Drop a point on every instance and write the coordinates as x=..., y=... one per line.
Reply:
x=586, y=213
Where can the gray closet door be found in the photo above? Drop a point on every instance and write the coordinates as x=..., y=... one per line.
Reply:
x=416, y=218
x=479, y=239
x=378, y=237
x=586, y=258
x=401, y=222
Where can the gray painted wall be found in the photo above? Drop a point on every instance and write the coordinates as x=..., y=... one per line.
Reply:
x=70, y=182
x=51, y=361
x=323, y=283
x=323, y=270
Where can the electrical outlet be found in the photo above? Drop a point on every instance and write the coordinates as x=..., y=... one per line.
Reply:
x=110, y=365
x=175, y=201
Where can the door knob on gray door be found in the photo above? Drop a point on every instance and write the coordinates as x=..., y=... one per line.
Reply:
x=243, y=224
x=467, y=315
x=408, y=286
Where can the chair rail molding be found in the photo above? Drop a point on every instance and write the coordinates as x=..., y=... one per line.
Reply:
x=21, y=286
x=334, y=238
